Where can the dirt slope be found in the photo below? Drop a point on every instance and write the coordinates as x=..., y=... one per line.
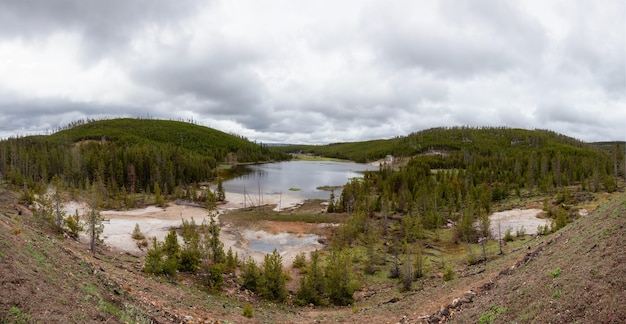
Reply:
x=579, y=276
x=42, y=281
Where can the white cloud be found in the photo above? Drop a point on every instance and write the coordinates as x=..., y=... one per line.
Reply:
x=318, y=71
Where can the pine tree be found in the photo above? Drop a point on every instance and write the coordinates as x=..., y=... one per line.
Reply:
x=171, y=251
x=190, y=252
x=74, y=226
x=220, y=194
x=214, y=246
x=154, y=258
x=231, y=260
x=251, y=274
x=339, y=285
x=273, y=278
x=312, y=287
x=57, y=201
x=94, y=220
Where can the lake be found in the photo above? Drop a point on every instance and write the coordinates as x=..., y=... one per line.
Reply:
x=307, y=176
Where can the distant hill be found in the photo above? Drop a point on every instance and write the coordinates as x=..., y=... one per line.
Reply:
x=485, y=140
x=187, y=136
x=126, y=154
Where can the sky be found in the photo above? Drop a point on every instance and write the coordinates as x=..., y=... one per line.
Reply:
x=316, y=72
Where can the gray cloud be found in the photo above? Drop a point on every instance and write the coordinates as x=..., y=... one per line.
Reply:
x=105, y=27
x=317, y=72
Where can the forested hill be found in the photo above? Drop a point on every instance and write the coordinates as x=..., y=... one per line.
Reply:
x=188, y=136
x=485, y=141
x=129, y=154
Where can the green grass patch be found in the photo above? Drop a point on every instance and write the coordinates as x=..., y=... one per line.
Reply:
x=246, y=216
x=91, y=290
x=308, y=157
x=491, y=315
x=555, y=273
x=36, y=254
x=106, y=307
x=224, y=167
x=17, y=316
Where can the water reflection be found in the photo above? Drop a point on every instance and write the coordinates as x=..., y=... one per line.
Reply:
x=295, y=177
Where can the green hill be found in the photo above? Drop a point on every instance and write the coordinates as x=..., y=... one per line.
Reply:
x=485, y=140
x=188, y=136
x=127, y=155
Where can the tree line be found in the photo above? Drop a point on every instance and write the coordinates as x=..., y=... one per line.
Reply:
x=128, y=156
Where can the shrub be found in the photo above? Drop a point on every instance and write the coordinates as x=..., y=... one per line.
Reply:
x=508, y=237
x=251, y=274
x=471, y=259
x=520, y=232
x=142, y=244
x=74, y=227
x=215, y=279
x=248, y=311
x=312, y=284
x=273, y=281
x=448, y=273
x=232, y=260
x=299, y=262
x=137, y=234
x=555, y=273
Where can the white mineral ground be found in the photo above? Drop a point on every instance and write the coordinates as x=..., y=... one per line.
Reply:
x=516, y=219
x=157, y=222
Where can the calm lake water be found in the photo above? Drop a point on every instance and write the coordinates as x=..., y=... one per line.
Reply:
x=273, y=178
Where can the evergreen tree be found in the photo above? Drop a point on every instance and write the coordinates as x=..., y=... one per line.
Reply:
x=273, y=281
x=74, y=225
x=171, y=251
x=232, y=260
x=220, y=194
x=251, y=275
x=312, y=286
x=94, y=220
x=339, y=285
x=190, y=252
x=154, y=258
x=57, y=201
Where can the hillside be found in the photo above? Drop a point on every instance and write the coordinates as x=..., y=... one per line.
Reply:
x=188, y=136
x=578, y=276
x=486, y=140
x=126, y=156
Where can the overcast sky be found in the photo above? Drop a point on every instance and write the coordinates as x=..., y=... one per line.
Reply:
x=316, y=71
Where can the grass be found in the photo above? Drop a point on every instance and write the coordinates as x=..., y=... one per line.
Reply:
x=246, y=216
x=17, y=316
x=36, y=254
x=491, y=315
x=308, y=157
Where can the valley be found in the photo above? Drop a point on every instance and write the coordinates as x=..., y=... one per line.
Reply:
x=417, y=238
